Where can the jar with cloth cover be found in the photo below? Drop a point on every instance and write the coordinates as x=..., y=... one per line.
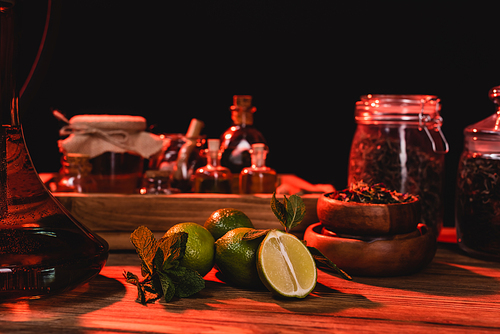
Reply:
x=116, y=145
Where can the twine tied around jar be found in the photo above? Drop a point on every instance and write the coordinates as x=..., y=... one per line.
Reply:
x=116, y=137
x=96, y=134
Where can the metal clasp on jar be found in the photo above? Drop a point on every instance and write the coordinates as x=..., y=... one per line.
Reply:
x=428, y=123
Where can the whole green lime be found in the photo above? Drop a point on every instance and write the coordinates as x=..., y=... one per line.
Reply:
x=236, y=258
x=224, y=220
x=200, y=247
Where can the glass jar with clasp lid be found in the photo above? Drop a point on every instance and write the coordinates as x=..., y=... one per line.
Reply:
x=477, y=202
x=398, y=142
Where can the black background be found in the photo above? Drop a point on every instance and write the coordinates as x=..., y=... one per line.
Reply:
x=305, y=62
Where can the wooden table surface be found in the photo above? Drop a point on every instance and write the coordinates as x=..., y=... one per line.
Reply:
x=455, y=293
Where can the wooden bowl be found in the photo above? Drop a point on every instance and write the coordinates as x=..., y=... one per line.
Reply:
x=395, y=255
x=368, y=219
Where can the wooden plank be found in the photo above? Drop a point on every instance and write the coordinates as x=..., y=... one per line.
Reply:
x=114, y=217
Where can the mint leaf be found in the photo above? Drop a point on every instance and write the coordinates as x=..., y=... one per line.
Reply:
x=167, y=286
x=295, y=211
x=159, y=259
x=255, y=234
x=131, y=278
x=149, y=292
x=324, y=262
x=279, y=210
x=173, y=249
x=177, y=273
x=145, y=245
x=146, y=292
x=290, y=213
x=191, y=283
x=141, y=295
x=134, y=279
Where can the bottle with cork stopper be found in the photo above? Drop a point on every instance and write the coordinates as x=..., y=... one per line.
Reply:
x=213, y=178
x=258, y=178
x=237, y=141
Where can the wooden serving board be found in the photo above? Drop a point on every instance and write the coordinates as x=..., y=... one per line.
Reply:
x=115, y=217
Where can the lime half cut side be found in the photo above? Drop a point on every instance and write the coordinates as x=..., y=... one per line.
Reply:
x=285, y=265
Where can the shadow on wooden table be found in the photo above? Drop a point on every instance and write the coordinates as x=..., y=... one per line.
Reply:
x=99, y=293
x=220, y=296
x=470, y=277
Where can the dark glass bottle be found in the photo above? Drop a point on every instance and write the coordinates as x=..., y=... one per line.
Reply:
x=181, y=155
x=43, y=250
x=237, y=141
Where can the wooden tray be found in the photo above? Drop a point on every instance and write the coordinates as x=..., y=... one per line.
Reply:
x=115, y=217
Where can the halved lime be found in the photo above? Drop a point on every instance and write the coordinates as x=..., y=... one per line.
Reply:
x=285, y=265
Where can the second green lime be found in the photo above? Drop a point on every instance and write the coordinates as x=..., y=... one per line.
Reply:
x=224, y=220
x=236, y=258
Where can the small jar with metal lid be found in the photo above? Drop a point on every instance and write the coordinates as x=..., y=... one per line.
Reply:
x=477, y=202
x=399, y=142
x=74, y=175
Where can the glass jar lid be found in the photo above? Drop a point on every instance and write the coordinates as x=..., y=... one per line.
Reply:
x=381, y=108
x=488, y=128
x=127, y=123
x=421, y=111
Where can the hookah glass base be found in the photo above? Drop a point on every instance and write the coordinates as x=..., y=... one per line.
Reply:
x=43, y=250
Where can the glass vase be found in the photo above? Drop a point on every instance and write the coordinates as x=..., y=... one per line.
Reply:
x=43, y=250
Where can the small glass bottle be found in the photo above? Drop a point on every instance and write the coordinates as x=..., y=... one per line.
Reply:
x=258, y=178
x=74, y=175
x=477, y=202
x=156, y=182
x=399, y=142
x=213, y=178
x=237, y=141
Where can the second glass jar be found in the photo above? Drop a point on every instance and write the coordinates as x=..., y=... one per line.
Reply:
x=477, y=202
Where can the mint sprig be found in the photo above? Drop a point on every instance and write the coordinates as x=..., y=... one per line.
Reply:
x=290, y=213
x=163, y=274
